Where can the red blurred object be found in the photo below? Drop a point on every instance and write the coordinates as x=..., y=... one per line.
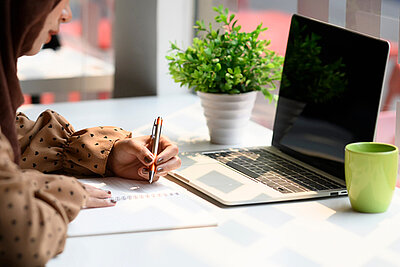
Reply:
x=47, y=98
x=27, y=99
x=386, y=127
x=394, y=79
x=277, y=22
x=74, y=96
x=73, y=28
x=103, y=95
x=104, y=34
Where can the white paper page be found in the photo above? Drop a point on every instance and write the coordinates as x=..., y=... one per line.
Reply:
x=141, y=207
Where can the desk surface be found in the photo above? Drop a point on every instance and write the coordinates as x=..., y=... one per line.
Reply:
x=304, y=233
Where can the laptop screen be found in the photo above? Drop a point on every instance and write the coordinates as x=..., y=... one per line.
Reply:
x=330, y=92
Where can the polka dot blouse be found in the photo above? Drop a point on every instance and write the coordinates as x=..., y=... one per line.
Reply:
x=36, y=204
x=51, y=145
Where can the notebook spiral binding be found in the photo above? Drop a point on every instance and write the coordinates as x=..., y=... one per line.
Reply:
x=144, y=196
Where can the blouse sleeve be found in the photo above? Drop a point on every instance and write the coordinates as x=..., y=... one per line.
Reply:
x=35, y=209
x=52, y=145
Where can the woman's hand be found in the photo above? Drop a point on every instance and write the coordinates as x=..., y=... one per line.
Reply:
x=131, y=158
x=98, y=198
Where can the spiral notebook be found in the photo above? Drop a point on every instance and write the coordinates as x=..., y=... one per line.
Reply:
x=141, y=207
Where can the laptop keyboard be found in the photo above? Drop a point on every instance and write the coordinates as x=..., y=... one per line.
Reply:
x=274, y=171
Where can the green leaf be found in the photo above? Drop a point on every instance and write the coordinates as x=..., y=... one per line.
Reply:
x=173, y=46
x=234, y=23
x=223, y=18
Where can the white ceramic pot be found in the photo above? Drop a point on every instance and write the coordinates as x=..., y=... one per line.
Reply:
x=227, y=115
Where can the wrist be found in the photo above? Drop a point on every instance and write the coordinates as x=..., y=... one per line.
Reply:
x=111, y=155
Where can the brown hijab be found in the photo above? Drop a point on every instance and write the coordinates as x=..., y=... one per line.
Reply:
x=20, y=23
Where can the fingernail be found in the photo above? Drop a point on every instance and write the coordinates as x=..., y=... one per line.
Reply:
x=145, y=170
x=113, y=201
x=109, y=192
x=148, y=159
x=159, y=160
x=159, y=169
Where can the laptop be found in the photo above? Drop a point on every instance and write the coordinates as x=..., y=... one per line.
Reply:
x=329, y=97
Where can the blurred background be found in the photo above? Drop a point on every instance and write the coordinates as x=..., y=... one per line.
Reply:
x=117, y=48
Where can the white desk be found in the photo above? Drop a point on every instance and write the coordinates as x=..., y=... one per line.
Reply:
x=306, y=233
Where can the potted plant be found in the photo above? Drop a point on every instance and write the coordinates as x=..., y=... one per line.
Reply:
x=226, y=67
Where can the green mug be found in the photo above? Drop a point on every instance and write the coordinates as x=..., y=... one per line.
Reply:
x=371, y=172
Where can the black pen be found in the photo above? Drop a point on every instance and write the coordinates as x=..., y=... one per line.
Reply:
x=155, y=140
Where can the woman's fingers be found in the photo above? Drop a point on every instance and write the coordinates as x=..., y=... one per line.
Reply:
x=98, y=198
x=169, y=150
x=161, y=170
x=94, y=202
x=141, y=152
x=172, y=164
x=144, y=174
x=97, y=192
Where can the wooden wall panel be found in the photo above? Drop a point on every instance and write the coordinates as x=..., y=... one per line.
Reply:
x=364, y=16
x=314, y=9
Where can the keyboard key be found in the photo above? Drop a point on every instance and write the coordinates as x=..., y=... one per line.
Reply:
x=294, y=188
x=283, y=190
x=242, y=169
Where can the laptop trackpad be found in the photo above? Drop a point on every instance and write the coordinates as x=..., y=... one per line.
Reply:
x=219, y=181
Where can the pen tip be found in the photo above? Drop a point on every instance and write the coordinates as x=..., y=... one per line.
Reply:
x=151, y=176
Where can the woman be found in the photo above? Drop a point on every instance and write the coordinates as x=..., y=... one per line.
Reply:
x=35, y=203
